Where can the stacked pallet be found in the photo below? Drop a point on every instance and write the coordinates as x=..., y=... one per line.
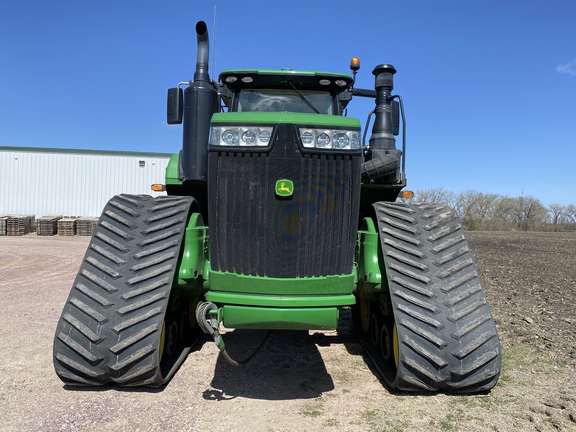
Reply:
x=85, y=225
x=32, y=223
x=17, y=225
x=67, y=226
x=3, y=220
x=48, y=225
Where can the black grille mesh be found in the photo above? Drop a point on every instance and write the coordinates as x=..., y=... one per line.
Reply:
x=254, y=232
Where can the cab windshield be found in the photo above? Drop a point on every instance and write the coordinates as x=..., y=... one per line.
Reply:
x=284, y=100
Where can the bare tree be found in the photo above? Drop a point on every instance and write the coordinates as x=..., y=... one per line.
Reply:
x=531, y=213
x=479, y=210
x=475, y=208
x=557, y=215
x=571, y=213
x=436, y=195
x=503, y=214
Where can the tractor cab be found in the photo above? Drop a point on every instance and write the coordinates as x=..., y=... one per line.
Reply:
x=283, y=90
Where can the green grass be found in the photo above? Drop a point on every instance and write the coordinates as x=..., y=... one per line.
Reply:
x=375, y=421
x=332, y=423
x=312, y=413
x=455, y=417
x=523, y=357
x=370, y=415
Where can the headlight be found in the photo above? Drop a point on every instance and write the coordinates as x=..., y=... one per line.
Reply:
x=240, y=136
x=330, y=139
x=230, y=137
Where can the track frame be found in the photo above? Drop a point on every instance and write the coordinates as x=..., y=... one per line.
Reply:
x=123, y=322
x=430, y=302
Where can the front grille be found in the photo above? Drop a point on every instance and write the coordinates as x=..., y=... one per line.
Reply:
x=255, y=232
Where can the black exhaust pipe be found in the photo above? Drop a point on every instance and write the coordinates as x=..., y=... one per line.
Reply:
x=200, y=103
x=202, y=53
x=384, y=159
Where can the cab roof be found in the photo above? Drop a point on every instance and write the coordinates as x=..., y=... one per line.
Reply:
x=272, y=78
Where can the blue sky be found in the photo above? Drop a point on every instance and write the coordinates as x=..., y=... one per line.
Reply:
x=489, y=86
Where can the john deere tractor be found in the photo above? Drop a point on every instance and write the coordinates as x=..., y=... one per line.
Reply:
x=278, y=215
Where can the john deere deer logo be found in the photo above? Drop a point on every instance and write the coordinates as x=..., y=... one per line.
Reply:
x=284, y=188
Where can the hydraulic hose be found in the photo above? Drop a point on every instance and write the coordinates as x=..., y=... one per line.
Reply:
x=210, y=326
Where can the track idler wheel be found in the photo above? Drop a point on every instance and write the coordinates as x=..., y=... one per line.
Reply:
x=171, y=336
x=389, y=343
x=364, y=314
x=375, y=328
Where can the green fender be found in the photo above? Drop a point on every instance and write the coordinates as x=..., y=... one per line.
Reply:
x=194, y=264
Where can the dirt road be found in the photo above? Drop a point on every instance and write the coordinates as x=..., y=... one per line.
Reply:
x=299, y=381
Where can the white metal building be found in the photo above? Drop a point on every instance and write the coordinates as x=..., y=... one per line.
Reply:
x=42, y=181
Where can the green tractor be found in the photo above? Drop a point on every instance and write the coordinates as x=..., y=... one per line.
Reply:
x=277, y=216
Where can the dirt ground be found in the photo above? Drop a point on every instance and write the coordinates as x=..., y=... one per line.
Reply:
x=298, y=381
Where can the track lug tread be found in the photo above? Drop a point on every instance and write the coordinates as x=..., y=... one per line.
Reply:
x=413, y=286
x=77, y=366
x=101, y=283
x=91, y=312
x=422, y=317
x=403, y=248
x=446, y=258
x=116, y=230
x=118, y=218
x=131, y=322
x=159, y=248
x=121, y=346
x=122, y=207
x=407, y=260
x=88, y=355
x=399, y=236
x=154, y=261
x=438, y=361
x=146, y=289
x=455, y=268
x=159, y=237
x=110, y=241
x=105, y=253
x=132, y=358
x=82, y=328
x=93, y=295
x=417, y=329
x=147, y=301
x=463, y=295
x=448, y=243
x=103, y=267
x=423, y=304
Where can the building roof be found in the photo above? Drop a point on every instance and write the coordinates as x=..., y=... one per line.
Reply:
x=83, y=151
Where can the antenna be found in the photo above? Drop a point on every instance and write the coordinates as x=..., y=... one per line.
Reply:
x=214, y=44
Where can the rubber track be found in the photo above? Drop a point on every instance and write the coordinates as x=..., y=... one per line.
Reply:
x=110, y=328
x=448, y=339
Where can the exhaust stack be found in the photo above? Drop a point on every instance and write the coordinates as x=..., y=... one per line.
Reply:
x=200, y=102
x=202, y=52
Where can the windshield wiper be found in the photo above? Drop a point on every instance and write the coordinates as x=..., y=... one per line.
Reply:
x=306, y=101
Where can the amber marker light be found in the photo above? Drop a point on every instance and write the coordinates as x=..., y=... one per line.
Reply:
x=158, y=187
x=355, y=64
x=407, y=194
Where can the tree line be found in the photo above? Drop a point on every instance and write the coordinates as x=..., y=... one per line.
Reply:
x=482, y=211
